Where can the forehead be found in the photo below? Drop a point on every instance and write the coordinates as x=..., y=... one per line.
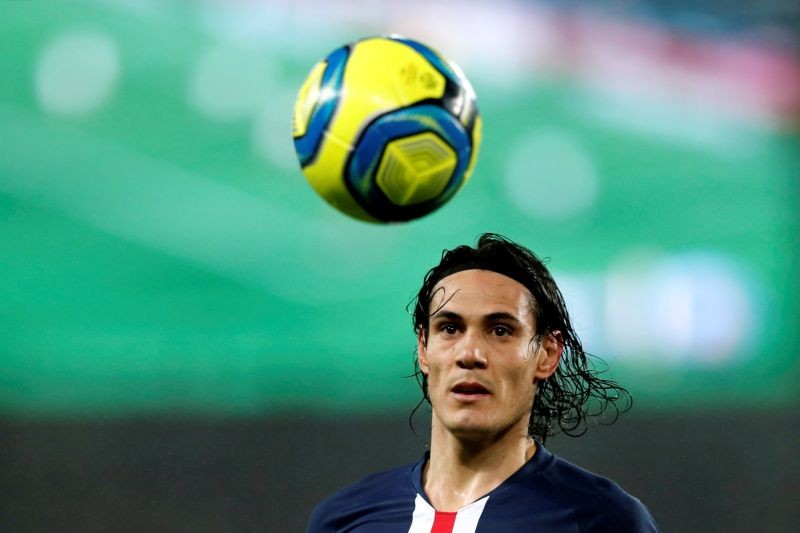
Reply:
x=481, y=291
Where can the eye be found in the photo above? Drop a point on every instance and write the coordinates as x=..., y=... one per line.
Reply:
x=501, y=331
x=448, y=329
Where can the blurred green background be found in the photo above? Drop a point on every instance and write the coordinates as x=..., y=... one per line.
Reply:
x=161, y=251
x=192, y=340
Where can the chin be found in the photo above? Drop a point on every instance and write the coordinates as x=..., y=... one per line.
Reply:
x=471, y=434
x=471, y=430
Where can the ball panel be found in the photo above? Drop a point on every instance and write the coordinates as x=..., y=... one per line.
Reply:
x=459, y=96
x=380, y=76
x=366, y=156
x=360, y=176
x=477, y=137
x=410, y=77
x=430, y=55
x=325, y=176
x=325, y=101
x=466, y=110
x=306, y=101
x=415, y=169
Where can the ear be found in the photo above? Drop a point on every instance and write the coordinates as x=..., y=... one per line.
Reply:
x=422, y=352
x=549, y=355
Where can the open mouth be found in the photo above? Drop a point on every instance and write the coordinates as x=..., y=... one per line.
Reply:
x=470, y=391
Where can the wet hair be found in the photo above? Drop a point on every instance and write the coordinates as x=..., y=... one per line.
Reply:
x=576, y=392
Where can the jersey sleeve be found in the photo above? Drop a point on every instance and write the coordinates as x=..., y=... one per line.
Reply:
x=627, y=516
x=321, y=520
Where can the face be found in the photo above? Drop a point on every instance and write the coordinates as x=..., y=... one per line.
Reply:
x=480, y=356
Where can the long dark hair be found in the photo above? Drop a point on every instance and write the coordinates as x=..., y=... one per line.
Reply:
x=576, y=391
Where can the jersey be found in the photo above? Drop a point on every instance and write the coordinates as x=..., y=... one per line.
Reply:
x=548, y=494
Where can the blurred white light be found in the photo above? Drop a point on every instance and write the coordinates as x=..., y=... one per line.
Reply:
x=625, y=298
x=661, y=119
x=230, y=84
x=672, y=323
x=697, y=307
x=549, y=175
x=702, y=306
x=583, y=297
x=77, y=73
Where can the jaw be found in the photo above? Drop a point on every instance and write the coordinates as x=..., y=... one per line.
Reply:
x=469, y=422
x=478, y=421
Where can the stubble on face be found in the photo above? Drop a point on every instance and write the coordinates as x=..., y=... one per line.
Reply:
x=479, y=355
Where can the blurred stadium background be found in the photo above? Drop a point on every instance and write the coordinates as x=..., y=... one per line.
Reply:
x=191, y=340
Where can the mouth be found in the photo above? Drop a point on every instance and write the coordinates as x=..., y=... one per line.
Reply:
x=469, y=391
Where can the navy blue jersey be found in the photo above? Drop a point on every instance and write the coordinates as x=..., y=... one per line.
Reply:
x=546, y=494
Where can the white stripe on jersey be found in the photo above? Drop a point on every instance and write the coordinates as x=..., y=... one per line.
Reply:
x=466, y=517
x=422, y=519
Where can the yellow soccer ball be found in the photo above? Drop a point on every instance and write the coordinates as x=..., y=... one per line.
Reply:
x=386, y=129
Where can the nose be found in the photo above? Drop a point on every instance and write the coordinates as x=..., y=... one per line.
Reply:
x=471, y=352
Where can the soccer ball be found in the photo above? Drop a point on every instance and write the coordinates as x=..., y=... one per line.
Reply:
x=386, y=129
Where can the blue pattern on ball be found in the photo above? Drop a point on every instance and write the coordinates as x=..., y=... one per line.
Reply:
x=307, y=146
x=360, y=172
x=432, y=57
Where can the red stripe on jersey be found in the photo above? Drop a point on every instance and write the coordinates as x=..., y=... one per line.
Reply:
x=443, y=522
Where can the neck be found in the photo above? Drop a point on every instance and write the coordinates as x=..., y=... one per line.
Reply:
x=461, y=470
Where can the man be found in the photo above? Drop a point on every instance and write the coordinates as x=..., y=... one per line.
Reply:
x=502, y=368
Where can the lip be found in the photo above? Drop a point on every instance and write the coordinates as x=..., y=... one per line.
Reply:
x=475, y=391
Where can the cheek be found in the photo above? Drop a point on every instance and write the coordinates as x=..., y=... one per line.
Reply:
x=524, y=378
x=523, y=394
x=435, y=370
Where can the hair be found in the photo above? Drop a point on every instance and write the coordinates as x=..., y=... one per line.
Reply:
x=575, y=392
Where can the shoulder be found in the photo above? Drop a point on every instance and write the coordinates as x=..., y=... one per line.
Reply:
x=363, y=498
x=599, y=504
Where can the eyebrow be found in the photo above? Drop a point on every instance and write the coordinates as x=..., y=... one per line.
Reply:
x=491, y=317
x=449, y=315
